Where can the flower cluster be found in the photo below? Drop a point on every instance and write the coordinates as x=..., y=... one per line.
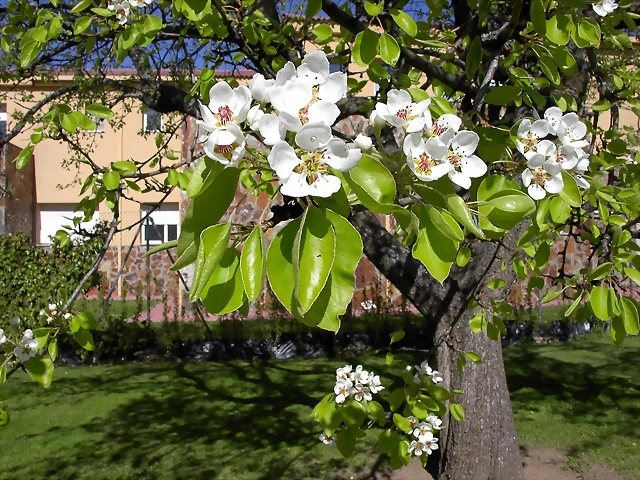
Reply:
x=434, y=148
x=605, y=7
x=123, y=8
x=327, y=439
x=357, y=384
x=423, y=432
x=53, y=311
x=27, y=346
x=425, y=371
x=293, y=115
x=547, y=158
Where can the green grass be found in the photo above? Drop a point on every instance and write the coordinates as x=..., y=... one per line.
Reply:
x=250, y=420
x=117, y=308
x=581, y=398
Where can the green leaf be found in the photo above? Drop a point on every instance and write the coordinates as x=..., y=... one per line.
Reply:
x=82, y=24
x=205, y=210
x=402, y=423
x=68, y=122
x=617, y=331
x=82, y=5
x=550, y=296
x=496, y=283
x=224, y=292
x=205, y=172
x=53, y=349
x=252, y=263
x=570, y=193
x=314, y=252
x=365, y=47
x=313, y=8
x=125, y=166
x=559, y=28
x=84, y=320
x=439, y=393
x=389, y=49
x=538, y=17
x=40, y=368
x=152, y=24
x=99, y=111
x=397, y=336
x=84, y=339
x=346, y=442
x=213, y=244
x=560, y=210
x=502, y=95
x=111, y=180
x=600, y=299
x=388, y=359
x=601, y=106
x=280, y=263
x=322, y=32
x=629, y=314
x=378, y=412
x=353, y=414
x=396, y=399
x=474, y=58
x=474, y=357
x=435, y=250
x=632, y=273
x=464, y=255
x=457, y=411
x=601, y=271
x=374, y=9
x=574, y=305
x=405, y=22
x=510, y=208
x=460, y=211
x=160, y=248
x=493, y=332
x=589, y=31
x=29, y=52
x=24, y=157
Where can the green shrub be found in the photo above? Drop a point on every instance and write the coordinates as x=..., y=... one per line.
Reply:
x=32, y=277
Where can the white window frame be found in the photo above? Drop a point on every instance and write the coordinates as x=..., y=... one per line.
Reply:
x=99, y=123
x=60, y=216
x=145, y=127
x=3, y=119
x=167, y=214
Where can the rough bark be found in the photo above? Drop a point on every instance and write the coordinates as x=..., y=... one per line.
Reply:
x=484, y=447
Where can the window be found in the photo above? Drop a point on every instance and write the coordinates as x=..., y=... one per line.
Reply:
x=152, y=121
x=336, y=67
x=3, y=121
x=162, y=225
x=55, y=217
x=99, y=123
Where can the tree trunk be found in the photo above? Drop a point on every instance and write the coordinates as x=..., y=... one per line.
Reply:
x=484, y=446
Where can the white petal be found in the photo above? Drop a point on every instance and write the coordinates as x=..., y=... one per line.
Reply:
x=436, y=149
x=600, y=9
x=341, y=158
x=271, y=129
x=554, y=184
x=242, y=103
x=334, y=89
x=314, y=68
x=536, y=191
x=208, y=120
x=524, y=127
x=415, y=125
x=292, y=97
x=413, y=145
x=540, y=128
x=286, y=73
x=283, y=159
x=582, y=183
x=219, y=96
x=449, y=120
x=290, y=122
x=465, y=143
x=460, y=179
x=551, y=167
x=325, y=186
x=420, y=107
x=323, y=112
x=398, y=100
x=260, y=87
x=536, y=160
x=473, y=166
x=553, y=116
x=254, y=115
x=526, y=177
x=312, y=136
x=545, y=147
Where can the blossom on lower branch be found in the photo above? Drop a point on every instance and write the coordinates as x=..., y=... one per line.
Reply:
x=358, y=384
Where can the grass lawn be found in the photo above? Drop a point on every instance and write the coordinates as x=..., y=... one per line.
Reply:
x=250, y=420
x=117, y=308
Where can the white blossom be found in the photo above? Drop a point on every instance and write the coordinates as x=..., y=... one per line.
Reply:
x=442, y=124
x=530, y=138
x=566, y=156
x=572, y=131
x=360, y=392
x=425, y=444
x=226, y=145
x=582, y=167
x=435, y=422
x=436, y=377
x=327, y=439
x=342, y=390
x=343, y=373
x=422, y=429
x=226, y=105
x=542, y=176
x=401, y=111
x=271, y=128
x=368, y=305
x=254, y=115
x=605, y=7
x=376, y=120
x=306, y=170
x=259, y=87
x=122, y=10
x=457, y=150
x=363, y=142
x=360, y=376
x=413, y=421
x=374, y=383
x=424, y=166
x=27, y=347
x=3, y=337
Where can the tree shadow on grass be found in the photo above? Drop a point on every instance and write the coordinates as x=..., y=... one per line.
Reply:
x=581, y=383
x=237, y=420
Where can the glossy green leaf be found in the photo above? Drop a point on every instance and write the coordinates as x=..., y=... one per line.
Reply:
x=111, y=180
x=559, y=28
x=457, y=411
x=629, y=315
x=600, y=299
x=473, y=356
x=322, y=32
x=314, y=252
x=538, y=17
x=474, y=58
x=405, y=22
x=212, y=245
x=353, y=413
x=224, y=292
x=252, y=263
x=378, y=412
x=280, y=263
x=365, y=47
x=99, y=111
x=502, y=95
x=40, y=369
x=617, y=331
x=52, y=349
x=570, y=193
x=402, y=423
x=24, y=157
x=397, y=336
x=389, y=49
x=464, y=255
x=313, y=8
x=161, y=248
x=68, y=122
x=84, y=339
x=460, y=211
x=632, y=273
x=439, y=393
x=346, y=442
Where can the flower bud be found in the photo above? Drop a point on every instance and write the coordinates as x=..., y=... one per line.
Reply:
x=376, y=120
x=363, y=142
x=253, y=116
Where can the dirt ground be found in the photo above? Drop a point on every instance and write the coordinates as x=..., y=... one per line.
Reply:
x=538, y=465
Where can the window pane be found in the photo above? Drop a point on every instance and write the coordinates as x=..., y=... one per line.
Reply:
x=154, y=233
x=172, y=232
x=153, y=121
